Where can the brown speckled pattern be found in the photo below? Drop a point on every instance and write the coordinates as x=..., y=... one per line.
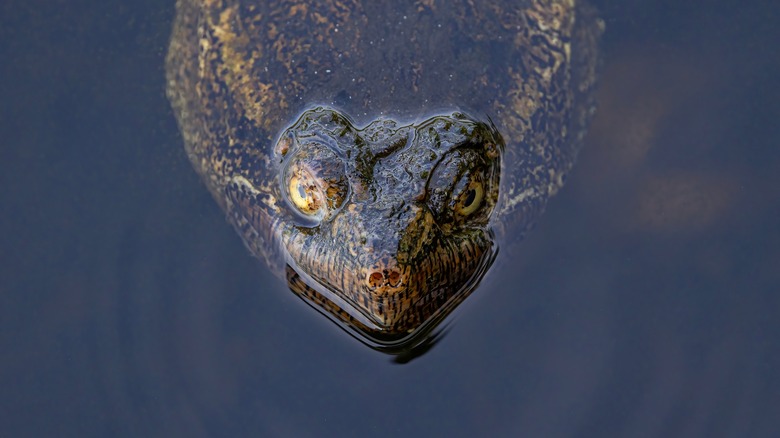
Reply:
x=241, y=72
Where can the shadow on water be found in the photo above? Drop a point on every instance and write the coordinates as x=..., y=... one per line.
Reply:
x=644, y=303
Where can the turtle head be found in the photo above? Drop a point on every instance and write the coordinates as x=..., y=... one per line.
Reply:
x=389, y=225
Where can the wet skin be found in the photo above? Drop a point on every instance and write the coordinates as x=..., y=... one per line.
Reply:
x=370, y=152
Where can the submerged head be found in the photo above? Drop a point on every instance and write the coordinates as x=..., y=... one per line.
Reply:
x=389, y=224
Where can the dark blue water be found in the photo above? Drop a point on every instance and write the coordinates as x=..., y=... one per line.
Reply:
x=644, y=303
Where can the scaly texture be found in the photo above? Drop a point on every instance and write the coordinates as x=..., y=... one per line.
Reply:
x=403, y=114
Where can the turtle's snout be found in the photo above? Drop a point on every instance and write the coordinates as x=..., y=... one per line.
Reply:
x=388, y=287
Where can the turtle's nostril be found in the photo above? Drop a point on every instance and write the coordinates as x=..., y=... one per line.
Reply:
x=375, y=279
x=386, y=277
x=393, y=278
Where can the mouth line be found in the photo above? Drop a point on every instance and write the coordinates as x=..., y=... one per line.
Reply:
x=396, y=337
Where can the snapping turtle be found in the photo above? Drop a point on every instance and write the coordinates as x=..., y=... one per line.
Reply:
x=370, y=150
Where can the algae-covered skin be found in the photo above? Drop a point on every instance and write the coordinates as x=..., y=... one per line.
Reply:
x=371, y=150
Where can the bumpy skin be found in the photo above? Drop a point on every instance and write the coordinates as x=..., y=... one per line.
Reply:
x=392, y=107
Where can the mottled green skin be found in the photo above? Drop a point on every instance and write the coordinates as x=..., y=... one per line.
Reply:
x=394, y=91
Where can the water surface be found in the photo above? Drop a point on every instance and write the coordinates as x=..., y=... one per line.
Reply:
x=643, y=304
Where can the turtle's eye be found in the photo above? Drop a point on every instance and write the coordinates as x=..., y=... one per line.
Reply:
x=469, y=198
x=460, y=189
x=305, y=193
x=314, y=183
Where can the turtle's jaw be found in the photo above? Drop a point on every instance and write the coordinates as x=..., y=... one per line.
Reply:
x=386, y=298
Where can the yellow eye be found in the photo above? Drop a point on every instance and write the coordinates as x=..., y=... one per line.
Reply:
x=470, y=199
x=305, y=194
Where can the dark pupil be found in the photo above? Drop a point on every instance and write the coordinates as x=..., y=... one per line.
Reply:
x=470, y=197
x=301, y=191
